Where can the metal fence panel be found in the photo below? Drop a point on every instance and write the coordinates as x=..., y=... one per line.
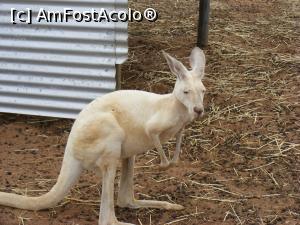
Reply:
x=55, y=69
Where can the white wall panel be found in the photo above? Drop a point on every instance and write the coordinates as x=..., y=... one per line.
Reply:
x=55, y=69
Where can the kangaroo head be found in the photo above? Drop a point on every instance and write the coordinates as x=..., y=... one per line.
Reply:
x=189, y=89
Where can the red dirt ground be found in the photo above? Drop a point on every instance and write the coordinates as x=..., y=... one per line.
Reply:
x=240, y=164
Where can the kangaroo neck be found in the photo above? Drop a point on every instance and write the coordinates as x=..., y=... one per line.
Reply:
x=177, y=107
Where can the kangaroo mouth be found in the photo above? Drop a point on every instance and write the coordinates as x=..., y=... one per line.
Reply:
x=198, y=115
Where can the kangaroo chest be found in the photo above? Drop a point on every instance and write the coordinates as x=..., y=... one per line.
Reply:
x=137, y=141
x=170, y=133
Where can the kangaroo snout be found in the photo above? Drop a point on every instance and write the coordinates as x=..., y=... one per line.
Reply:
x=198, y=110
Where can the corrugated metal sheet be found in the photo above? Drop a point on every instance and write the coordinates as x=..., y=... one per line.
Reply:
x=55, y=69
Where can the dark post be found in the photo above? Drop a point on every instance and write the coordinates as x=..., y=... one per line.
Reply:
x=118, y=76
x=204, y=8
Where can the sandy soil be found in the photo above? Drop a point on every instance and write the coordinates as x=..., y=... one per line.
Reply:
x=240, y=164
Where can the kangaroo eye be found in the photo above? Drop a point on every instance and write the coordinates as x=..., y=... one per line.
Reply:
x=186, y=92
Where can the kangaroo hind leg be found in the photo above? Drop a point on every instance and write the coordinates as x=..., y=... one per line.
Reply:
x=108, y=166
x=126, y=192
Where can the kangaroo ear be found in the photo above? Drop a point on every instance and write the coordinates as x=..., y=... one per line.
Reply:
x=197, y=61
x=176, y=67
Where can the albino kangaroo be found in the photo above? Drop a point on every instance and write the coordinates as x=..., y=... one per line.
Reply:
x=118, y=126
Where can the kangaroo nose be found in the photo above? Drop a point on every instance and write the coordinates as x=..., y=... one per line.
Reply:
x=198, y=110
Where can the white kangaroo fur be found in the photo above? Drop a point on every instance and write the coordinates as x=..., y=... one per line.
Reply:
x=116, y=127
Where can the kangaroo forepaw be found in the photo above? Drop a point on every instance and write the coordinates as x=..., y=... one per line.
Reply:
x=174, y=162
x=164, y=165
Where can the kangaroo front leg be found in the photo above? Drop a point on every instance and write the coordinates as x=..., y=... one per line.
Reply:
x=178, y=147
x=126, y=192
x=164, y=162
x=107, y=210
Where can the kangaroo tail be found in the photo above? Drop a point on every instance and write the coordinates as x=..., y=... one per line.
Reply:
x=69, y=174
